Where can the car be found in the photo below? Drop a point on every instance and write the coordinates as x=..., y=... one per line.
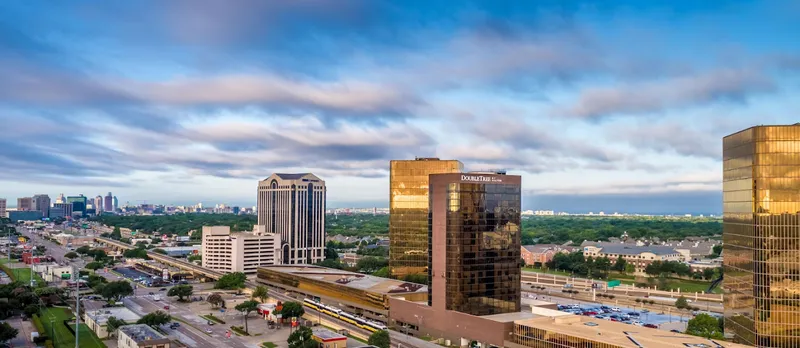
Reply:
x=162, y=289
x=634, y=314
x=210, y=323
x=645, y=311
x=652, y=326
x=208, y=331
x=637, y=323
x=675, y=331
x=151, y=293
x=166, y=307
x=615, y=309
x=175, y=325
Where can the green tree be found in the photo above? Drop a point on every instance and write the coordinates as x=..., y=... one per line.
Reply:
x=418, y=278
x=301, y=338
x=261, y=293
x=160, y=251
x=71, y=255
x=330, y=253
x=682, y=303
x=385, y=272
x=97, y=254
x=292, y=309
x=181, y=291
x=31, y=309
x=370, y=264
x=83, y=250
x=7, y=333
x=630, y=268
x=329, y=263
x=716, y=250
x=380, y=339
x=246, y=307
x=94, y=265
x=620, y=264
x=116, y=234
x=46, y=291
x=704, y=325
x=215, y=300
x=138, y=253
x=112, y=324
x=231, y=281
x=155, y=319
x=116, y=290
x=193, y=258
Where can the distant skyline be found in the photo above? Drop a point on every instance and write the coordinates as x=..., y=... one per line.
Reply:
x=613, y=105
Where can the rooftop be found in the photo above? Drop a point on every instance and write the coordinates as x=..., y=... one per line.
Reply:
x=141, y=333
x=351, y=279
x=628, y=249
x=325, y=334
x=620, y=334
x=101, y=315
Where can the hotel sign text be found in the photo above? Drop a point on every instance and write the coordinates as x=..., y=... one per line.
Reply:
x=480, y=178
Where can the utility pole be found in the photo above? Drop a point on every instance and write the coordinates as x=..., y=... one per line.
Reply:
x=77, y=307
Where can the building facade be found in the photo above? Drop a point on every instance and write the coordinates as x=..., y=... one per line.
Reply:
x=293, y=206
x=98, y=205
x=538, y=254
x=638, y=256
x=60, y=210
x=24, y=215
x=239, y=252
x=114, y=203
x=761, y=235
x=41, y=203
x=78, y=204
x=475, y=227
x=108, y=202
x=408, y=211
x=2, y=208
x=24, y=203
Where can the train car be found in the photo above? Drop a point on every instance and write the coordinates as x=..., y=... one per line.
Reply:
x=311, y=304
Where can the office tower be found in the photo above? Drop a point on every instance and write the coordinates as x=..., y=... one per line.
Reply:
x=78, y=204
x=474, y=239
x=115, y=203
x=98, y=205
x=239, y=252
x=293, y=205
x=761, y=235
x=109, y=203
x=2, y=208
x=24, y=203
x=61, y=199
x=408, y=211
x=41, y=203
x=61, y=210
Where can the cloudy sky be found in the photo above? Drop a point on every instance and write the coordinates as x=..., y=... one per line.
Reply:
x=613, y=106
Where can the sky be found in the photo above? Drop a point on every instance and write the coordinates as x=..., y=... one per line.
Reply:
x=608, y=105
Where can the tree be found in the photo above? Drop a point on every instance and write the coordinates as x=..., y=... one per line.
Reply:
x=301, y=338
x=329, y=263
x=292, y=309
x=31, y=309
x=261, y=293
x=246, y=307
x=379, y=339
x=385, y=272
x=83, y=250
x=116, y=290
x=181, y=291
x=681, y=303
x=704, y=325
x=94, y=265
x=98, y=254
x=193, y=258
x=117, y=234
x=138, y=253
x=370, y=264
x=330, y=253
x=418, y=278
x=716, y=250
x=620, y=264
x=113, y=324
x=155, y=319
x=630, y=268
x=46, y=291
x=7, y=333
x=231, y=281
x=160, y=251
x=215, y=300
x=71, y=255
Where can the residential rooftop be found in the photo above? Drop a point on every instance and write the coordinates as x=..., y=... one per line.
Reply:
x=101, y=316
x=143, y=333
x=353, y=280
x=629, y=249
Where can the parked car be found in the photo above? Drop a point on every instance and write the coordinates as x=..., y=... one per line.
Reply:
x=166, y=307
x=675, y=331
x=652, y=326
x=162, y=289
x=208, y=331
x=615, y=309
x=151, y=293
x=175, y=325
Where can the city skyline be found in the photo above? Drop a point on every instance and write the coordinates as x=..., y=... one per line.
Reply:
x=182, y=96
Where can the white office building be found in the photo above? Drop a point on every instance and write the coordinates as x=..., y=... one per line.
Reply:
x=293, y=205
x=228, y=252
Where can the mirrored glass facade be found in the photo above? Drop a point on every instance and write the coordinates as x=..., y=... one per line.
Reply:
x=761, y=203
x=481, y=232
x=408, y=209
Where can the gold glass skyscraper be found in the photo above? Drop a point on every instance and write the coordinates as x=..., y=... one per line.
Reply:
x=761, y=233
x=408, y=212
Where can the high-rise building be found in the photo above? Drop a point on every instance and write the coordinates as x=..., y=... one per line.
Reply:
x=41, y=203
x=115, y=203
x=2, y=208
x=239, y=252
x=78, y=204
x=408, y=211
x=109, y=203
x=24, y=203
x=474, y=239
x=293, y=205
x=61, y=198
x=98, y=205
x=761, y=235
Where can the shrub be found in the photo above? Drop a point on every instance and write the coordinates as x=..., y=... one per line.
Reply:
x=611, y=296
x=49, y=344
x=638, y=300
x=37, y=323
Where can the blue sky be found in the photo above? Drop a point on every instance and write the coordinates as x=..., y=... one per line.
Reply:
x=601, y=105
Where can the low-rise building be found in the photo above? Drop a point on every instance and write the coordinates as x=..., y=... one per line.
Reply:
x=328, y=338
x=179, y=251
x=638, y=256
x=97, y=320
x=53, y=272
x=24, y=215
x=140, y=336
x=349, y=259
x=73, y=240
x=228, y=252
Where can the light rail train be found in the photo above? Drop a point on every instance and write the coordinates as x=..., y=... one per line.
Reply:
x=344, y=316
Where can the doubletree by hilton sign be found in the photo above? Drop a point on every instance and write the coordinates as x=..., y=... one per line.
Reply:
x=480, y=178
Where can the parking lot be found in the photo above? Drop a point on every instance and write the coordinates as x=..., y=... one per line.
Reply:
x=625, y=315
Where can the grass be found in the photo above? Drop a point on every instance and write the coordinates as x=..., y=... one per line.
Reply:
x=269, y=345
x=23, y=275
x=63, y=337
x=213, y=318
